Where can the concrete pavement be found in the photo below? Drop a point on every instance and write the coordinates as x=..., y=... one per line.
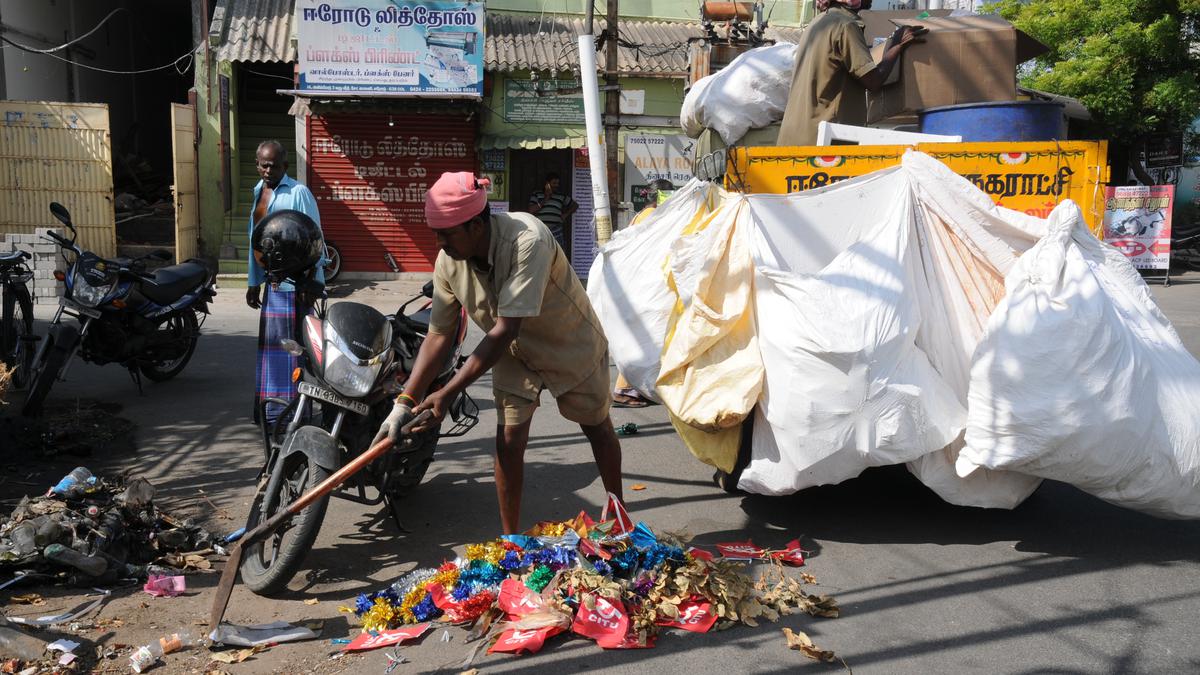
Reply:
x=1064, y=583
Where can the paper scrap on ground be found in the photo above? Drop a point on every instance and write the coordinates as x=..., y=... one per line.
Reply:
x=67, y=646
x=386, y=638
x=160, y=585
x=261, y=634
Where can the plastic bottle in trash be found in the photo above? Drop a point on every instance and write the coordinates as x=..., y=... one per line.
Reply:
x=75, y=484
x=146, y=656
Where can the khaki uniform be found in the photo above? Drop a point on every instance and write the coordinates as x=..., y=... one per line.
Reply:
x=561, y=346
x=830, y=58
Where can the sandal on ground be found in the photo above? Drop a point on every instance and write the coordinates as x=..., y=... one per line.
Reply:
x=623, y=401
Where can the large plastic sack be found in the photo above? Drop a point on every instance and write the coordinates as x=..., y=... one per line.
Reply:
x=847, y=388
x=627, y=284
x=903, y=317
x=712, y=371
x=1081, y=379
x=749, y=93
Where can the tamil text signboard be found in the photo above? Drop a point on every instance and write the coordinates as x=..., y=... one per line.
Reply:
x=543, y=101
x=391, y=47
x=1028, y=177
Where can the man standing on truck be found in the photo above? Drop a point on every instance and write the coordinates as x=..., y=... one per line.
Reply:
x=834, y=70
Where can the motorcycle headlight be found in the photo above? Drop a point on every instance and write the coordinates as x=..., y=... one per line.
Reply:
x=88, y=295
x=345, y=373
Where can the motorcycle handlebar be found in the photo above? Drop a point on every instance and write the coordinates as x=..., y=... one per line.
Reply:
x=64, y=242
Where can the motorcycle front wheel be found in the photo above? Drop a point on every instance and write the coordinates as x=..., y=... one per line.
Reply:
x=185, y=331
x=269, y=565
x=59, y=343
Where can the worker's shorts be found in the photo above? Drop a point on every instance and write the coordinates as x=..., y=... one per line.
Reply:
x=587, y=403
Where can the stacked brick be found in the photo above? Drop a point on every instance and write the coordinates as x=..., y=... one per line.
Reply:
x=44, y=288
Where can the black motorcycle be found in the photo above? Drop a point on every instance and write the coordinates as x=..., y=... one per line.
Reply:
x=148, y=322
x=353, y=360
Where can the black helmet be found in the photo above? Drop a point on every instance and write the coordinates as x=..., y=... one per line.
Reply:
x=287, y=244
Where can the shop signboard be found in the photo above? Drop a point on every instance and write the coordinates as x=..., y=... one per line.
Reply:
x=1029, y=177
x=650, y=157
x=415, y=47
x=1137, y=221
x=543, y=101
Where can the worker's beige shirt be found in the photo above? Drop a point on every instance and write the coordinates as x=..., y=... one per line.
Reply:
x=830, y=58
x=560, y=342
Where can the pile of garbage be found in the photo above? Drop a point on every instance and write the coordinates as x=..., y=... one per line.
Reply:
x=89, y=531
x=610, y=581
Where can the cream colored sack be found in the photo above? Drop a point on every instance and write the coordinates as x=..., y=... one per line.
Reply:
x=712, y=372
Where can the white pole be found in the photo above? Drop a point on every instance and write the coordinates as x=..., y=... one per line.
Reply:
x=595, y=137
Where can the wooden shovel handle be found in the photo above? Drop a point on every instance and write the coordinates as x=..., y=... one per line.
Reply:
x=329, y=484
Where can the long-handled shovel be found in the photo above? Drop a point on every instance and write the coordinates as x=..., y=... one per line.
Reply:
x=229, y=575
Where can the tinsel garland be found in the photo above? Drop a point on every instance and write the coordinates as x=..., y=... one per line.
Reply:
x=649, y=577
x=539, y=578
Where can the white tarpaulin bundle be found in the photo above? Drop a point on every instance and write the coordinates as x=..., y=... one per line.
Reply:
x=749, y=93
x=901, y=317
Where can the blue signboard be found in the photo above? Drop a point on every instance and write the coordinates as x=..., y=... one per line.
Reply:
x=422, y=48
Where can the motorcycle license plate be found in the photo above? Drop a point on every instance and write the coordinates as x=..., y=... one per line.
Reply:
x=75, y=306
x=320, y=394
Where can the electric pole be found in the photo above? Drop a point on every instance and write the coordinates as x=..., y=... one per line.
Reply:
x=612, y=109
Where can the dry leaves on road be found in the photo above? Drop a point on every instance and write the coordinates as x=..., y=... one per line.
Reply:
x=238, y=655
x=311, y=601
x=190, y=561
x=800, y=641
x=27, y=599
x=637, y=487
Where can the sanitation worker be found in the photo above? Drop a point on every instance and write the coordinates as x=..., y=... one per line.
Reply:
x=513, y=279
x=834, y=70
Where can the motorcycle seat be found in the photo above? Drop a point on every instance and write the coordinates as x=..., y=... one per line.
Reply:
x=168, y=284
x=421, y=318
x=13, y=258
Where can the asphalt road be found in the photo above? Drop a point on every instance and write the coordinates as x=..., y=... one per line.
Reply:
x=1065, y=583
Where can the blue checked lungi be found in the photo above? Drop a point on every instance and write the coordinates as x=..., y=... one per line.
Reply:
x=273, y=372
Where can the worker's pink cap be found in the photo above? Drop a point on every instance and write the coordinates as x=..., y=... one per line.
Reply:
x=454, y=199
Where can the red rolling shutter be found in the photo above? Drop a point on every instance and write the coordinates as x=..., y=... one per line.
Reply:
x=370, y=179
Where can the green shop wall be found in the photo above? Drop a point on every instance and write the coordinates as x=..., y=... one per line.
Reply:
x=664, y=97
x=213, y=217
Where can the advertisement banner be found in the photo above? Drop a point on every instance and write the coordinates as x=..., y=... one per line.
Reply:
x=391, y=46
x=1137, y=221
x=1028, y=177
x=650, y=157
x=583, y=229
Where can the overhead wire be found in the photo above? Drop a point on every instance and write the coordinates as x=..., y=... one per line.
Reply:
x=173, y=64
x=67, y=44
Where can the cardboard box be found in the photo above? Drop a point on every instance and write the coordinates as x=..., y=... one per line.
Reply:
x=964, y=59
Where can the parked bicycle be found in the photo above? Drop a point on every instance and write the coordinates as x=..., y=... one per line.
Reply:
x=16, y=317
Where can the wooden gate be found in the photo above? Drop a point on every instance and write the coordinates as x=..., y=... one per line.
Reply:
x=183, y=152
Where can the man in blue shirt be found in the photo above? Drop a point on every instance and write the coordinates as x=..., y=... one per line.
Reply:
x=280, y=304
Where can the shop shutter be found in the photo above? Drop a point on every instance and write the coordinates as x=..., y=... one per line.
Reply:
x=369, y=173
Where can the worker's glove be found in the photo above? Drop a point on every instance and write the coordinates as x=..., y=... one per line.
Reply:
x=401, y=414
